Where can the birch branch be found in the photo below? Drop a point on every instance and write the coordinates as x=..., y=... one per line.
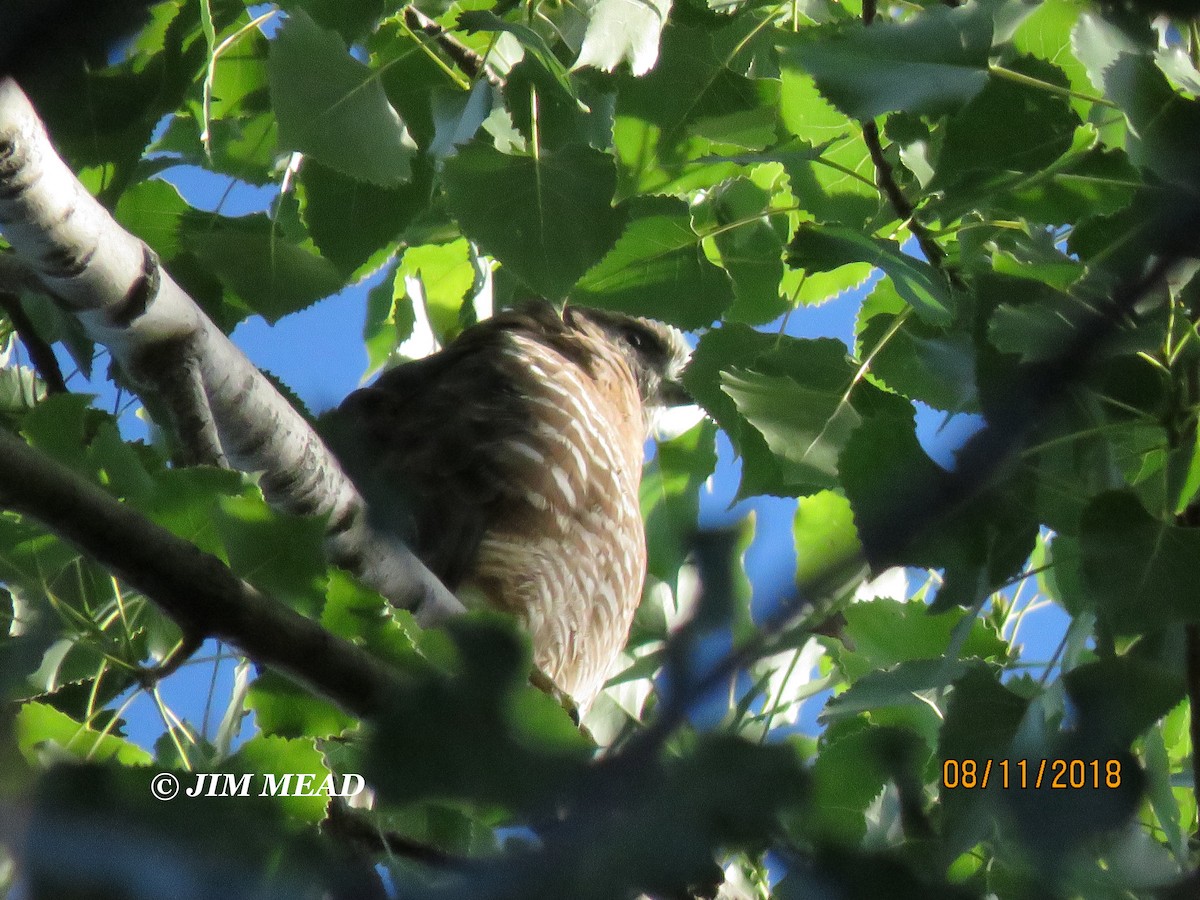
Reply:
x=219, y=403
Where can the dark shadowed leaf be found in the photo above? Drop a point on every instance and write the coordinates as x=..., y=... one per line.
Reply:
x=333, y=108
x=547, y=219
x=929, y=64
x=822, y=248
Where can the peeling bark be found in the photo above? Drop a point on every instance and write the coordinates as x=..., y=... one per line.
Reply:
x=223, y=409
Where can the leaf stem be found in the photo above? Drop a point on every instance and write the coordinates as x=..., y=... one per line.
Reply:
x=1029, y=81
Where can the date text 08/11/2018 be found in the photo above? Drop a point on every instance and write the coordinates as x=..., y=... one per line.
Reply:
x=1020, y=774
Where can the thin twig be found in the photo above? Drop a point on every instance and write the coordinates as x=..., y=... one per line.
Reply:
x=173, y=661
x=41, y=354
x=886, y=179
x=464, y=57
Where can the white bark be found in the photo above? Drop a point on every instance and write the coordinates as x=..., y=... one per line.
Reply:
x=223, y=409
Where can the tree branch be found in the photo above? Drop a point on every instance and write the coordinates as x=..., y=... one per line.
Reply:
x=464, y=57
x=218, y=400
x=194, y=588
x=885, y=177
x=41, y=354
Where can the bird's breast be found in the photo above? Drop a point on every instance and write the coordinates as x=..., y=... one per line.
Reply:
x=565, y=549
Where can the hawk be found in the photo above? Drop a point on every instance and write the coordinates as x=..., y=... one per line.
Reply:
x=514, y=456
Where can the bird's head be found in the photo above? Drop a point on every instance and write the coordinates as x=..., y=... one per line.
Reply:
x=656, y=354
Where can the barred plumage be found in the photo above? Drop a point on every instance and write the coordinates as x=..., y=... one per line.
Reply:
x=516, y=453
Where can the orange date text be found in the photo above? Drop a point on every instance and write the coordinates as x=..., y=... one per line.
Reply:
x=1023, y=774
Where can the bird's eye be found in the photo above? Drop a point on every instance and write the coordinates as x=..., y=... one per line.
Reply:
x=635, y=338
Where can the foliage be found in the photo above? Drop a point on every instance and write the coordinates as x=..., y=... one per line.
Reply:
x=1000, y=173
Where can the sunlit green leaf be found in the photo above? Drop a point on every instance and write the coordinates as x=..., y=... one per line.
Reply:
x=658, y=268
x=43, y=729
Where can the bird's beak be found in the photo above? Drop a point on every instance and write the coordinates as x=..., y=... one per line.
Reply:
x=673, y=393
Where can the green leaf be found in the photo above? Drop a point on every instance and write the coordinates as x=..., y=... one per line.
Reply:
x=534, y=44
x=546, y=219
x=1046, y=34
x=823, y=248
x=914, y=682
x=1160, y=795
x=1040, y=327
x=411, y=75
x=152, y=210
x=1162, y=122
x=281, y=554
x=805, y=425
x=361, y=615
x=824, y=374
x=835, y=177
x=447, y=275
x=893, y=487
x=184, y=500
x=267, y=754
x=921, y=362
x=333, y=108
x=1124, y=695
x=350, y=18
x=980, y=136
x=58, y=426
x=1091, y=181
x=829, y=558
x=851, y=770
x=982, y=718
x=273, y=275
x=1141, y=572
x=389, y=319
x=802, y=397
x=698, y=82
x=816, y=288
x=658, y=269
x=41, y=728
x=930, y=64
x=353, y=221
x=240, y=125
x=471, y=745
x=669, y=497
x=884, y=632
x=532, y=97
x=283, y=708
x=750, y=241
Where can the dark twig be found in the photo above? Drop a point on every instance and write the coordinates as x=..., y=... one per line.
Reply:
x=41, y=354
x=194, y=588
x=885, y=177
x=464, y=57
x=187, y=648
